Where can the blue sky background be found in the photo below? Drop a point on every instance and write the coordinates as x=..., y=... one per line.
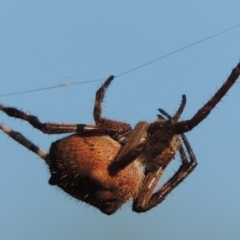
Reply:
x=46, y=43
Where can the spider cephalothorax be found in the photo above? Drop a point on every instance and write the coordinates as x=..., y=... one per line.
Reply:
x=108, y=163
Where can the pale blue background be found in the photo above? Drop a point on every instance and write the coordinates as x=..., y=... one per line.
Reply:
x=46, y=43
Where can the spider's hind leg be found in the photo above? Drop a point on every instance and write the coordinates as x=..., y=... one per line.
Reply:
x=202, y=113
x=24, y=141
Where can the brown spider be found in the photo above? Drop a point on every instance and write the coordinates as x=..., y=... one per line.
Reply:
x=108, y=163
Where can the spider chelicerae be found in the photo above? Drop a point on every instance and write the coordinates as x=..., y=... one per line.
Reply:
x=109, y=163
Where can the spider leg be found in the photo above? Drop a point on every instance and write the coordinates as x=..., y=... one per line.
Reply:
x=146, y=199
x=25, y=142
x=97, y=111
x=121, y=127
x=53, y=128
x=185, y=126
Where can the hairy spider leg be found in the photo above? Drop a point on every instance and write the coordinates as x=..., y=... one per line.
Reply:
x=24, y=141
x=49, y=128
x=100, y=94
x=121, y=128
x=202, y=113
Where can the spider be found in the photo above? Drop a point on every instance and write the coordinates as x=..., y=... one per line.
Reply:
x=109, y=163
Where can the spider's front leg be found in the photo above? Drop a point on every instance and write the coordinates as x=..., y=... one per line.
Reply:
x=188, y=125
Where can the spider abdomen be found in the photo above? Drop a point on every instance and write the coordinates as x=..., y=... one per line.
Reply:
x=79, y=166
